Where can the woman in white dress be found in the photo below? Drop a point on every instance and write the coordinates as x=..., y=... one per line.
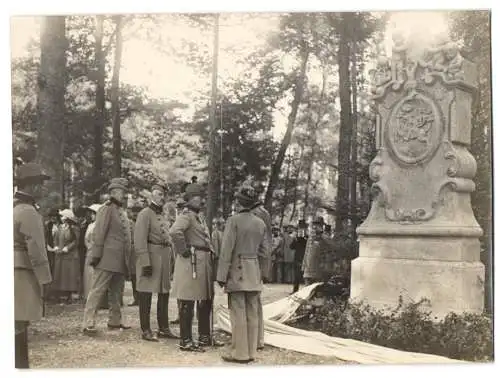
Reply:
x=88, y=271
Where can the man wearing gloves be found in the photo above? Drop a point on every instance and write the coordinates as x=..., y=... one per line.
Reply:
x=241, y=268
x=110, y=258
x=31, y=265
x=153, y=248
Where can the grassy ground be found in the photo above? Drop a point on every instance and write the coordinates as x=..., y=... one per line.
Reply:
x=57, y=342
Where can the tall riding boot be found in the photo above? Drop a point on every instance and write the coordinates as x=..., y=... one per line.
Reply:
x=144, y=316
x=205, y=338
x=162, y=316
x=186, y=322
x=21, y=346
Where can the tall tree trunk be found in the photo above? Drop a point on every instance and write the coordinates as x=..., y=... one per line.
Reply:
x=314, y=137
x=285, y=194
x=297, y=98
x=212, y=158
x=295, y=189
x=115, y=99
x=354, y=143
x=50, y=106
x=309, y=177
x=342, y=202
x=99, y=121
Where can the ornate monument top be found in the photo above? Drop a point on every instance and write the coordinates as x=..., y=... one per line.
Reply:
x=411, y=64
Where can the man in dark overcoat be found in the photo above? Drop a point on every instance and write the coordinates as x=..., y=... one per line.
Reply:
x=31, y=265
x=193, y=273
x=242, y=266
x=153, y=248
x=110, y=258
x=299, y=246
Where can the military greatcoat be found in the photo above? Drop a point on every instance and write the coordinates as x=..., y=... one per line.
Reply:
x=112, y=239
x=244, y=253
x=153, y=247
x=190, y=230
x=31, y=265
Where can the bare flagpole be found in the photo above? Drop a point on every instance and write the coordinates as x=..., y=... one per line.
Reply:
x=212, y=159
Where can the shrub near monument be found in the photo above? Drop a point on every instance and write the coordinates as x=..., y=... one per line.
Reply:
x=409, y=327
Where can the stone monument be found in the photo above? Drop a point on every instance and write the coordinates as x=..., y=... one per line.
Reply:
x=420, y=239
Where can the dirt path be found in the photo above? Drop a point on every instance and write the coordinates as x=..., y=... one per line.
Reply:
x=57, y=342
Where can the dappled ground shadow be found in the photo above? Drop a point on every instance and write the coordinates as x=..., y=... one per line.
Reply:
x=57, y=342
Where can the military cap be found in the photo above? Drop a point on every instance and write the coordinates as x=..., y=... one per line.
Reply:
x=319, y=220
x=30, y=172
x=118, y=183
x=193, y=190
x=246, y=195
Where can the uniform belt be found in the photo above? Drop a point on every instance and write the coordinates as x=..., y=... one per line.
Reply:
x=155, y=243
x=199, y=248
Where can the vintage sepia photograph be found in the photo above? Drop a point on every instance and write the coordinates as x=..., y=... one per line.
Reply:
x=252, y=189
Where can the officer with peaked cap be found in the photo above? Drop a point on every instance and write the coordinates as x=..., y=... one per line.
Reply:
x=193, y=273
x=260, y=211
x=242, y=265
x=153, y=248
x=31, y=265
x=110, y=258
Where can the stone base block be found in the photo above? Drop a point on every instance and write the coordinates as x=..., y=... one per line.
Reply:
x=451, y=286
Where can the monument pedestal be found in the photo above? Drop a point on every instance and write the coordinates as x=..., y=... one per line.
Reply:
x=446, y=271
x=420, y=239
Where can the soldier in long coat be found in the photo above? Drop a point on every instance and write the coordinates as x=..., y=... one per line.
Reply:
x=132, y=214
x=31, y=265
x=217, y=234
x=193, y=273
x=242, y=265
x=317, y=250
x=260, y=211
x=110, y=258
x=153, y=248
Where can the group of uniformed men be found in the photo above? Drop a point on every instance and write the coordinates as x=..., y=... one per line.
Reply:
x=239, y=264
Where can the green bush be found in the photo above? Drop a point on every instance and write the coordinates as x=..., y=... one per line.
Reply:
x=409, y=327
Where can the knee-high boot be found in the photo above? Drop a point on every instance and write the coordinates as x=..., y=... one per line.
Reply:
x=204, y=309
x=162, y=316
x=186, y=309
x=145, y=316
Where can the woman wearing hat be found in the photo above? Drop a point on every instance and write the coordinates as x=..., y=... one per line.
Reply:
x=31, y=265
x=153, y=249
x=67, y=259
x=242, y=265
